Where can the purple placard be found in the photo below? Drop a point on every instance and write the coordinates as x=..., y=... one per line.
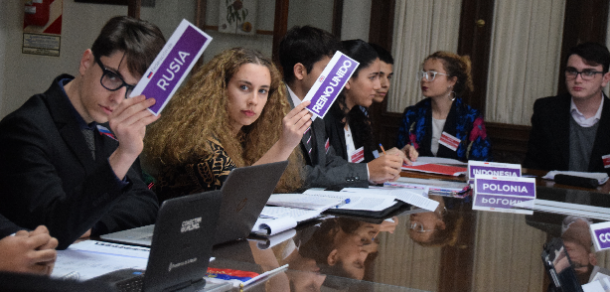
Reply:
x=332, y=85
x=500, y=202
x=505, y=187
x=163, y=82
x=602, y=236
x=495, y=171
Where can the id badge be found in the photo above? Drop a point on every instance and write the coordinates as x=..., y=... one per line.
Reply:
x=449, y=141
x=357, y=156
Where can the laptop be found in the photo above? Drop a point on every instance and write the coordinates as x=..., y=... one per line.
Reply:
x=244, y=195
x=180, y=250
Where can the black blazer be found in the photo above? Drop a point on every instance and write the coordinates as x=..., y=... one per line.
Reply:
x=7, y=227
x=325, y=169
x=50, y=178
x=549, y=144
x=336, y=134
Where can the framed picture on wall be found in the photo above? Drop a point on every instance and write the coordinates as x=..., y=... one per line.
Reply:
x=237, y=16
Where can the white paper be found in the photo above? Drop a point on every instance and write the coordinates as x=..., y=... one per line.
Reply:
x=601, y=177
x=438, y=160
x=88, y=259
x=414, y=197
x=303, y=201
x=360, y=202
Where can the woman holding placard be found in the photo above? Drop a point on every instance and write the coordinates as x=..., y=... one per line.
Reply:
x=347, y=126
x=232, y=113
x=442, y=125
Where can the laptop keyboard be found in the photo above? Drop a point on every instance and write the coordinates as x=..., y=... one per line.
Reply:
x=134, y=284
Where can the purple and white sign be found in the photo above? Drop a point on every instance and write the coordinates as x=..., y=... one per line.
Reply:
x=497, y=193
x=329, y=84
x=172, y=65
x=601, y=235
x=492, y=168
x=499, y=203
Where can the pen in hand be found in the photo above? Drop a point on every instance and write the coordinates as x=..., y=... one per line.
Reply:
x=381, y=146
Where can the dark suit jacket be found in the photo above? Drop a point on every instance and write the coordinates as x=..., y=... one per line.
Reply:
x=336, y=133
x=50, y=178
x=7, y=227
x=325, y=169
x=549, y=144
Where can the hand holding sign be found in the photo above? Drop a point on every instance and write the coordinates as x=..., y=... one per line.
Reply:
x=294, y=124
x=128, y=122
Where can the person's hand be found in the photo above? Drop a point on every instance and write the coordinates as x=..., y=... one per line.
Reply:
x=29, y=252
x=385, y=168
x=397, y=152
x=294, y=125
x=128, y=122
x=411, y=153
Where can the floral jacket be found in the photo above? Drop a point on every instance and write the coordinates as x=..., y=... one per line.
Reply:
x=463, y=122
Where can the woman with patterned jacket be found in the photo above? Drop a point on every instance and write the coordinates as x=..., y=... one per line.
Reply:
x=232, y=113
x=442, y=125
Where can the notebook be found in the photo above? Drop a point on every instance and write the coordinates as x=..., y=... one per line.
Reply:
x=244, y=192
x=180, y=250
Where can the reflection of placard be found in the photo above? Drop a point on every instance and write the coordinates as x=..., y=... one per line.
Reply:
x=494, y=193
x=42, y=27
x=237, y=16
x=601, y=235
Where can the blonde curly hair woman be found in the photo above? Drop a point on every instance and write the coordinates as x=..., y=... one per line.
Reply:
x=232, y=113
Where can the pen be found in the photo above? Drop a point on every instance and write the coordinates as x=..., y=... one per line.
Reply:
x=346, y=201
x=381, y=146
x=264, y=276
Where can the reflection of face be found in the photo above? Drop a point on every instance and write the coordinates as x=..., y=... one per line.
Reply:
x=316, y=70
x=306, y=281
x=440, y=86
x=361, y=90
x=585, y=89
x=578, y=255
x=385, y=75
x=431, y=223
x=247, y=93
x=96, y=103
x=353, y=249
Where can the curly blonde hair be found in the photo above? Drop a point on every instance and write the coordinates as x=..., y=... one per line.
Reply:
x=199, y=111
x=458, y=66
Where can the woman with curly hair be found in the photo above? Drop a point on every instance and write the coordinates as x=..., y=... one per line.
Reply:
x=348, y=127
x=232, y=113
x=442, y=125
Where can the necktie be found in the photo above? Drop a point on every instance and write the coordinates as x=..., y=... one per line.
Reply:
x=90, y=140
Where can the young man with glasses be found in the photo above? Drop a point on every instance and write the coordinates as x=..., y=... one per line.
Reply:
x=570, y=131
x=69, y=156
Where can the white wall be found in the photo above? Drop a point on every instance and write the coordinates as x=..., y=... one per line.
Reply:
x=356, y=19
x=23, y=75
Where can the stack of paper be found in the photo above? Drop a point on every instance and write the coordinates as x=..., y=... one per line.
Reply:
x=601, y=177
x=274, y=220
x=436, y=169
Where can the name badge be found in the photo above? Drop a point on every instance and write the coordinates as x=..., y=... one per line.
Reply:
x=171, y=66
x=606, y=160
x=492, y=168
x=329, y=84
x=600, y=234
x=495, y=193
x=357, y=156
x=327, y=144
x=449, y=141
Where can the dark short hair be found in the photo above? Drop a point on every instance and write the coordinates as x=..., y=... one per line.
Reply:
x=140, y=40
x=384, y=55
x=306, y=45
x=360, y=51
x=593, y=53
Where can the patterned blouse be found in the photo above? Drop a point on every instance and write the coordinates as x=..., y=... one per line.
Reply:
x=463, y=122
x=207, y=174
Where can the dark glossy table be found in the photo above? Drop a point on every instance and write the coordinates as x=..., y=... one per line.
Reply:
x=451, y=249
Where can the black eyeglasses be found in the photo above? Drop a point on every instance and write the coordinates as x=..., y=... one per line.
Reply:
x=586, y=74
x=112, y=80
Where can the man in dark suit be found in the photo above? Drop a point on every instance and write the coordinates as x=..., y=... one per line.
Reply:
x=304, y=52
x=61, y=166
x=572, y=131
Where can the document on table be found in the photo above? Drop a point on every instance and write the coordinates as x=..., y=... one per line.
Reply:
x=89, y=259
x=274, y=220
x=438, y=160
x=410, y=196
x=601, y=177
x=357, y=201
